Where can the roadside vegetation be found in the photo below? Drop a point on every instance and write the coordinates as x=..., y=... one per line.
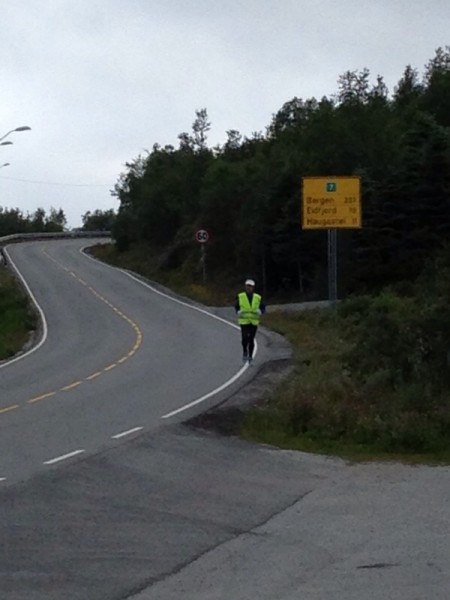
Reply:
x=372, y=377
x=13, y=220
x=246, y=192
x=140, y=259
x=16, y=319
x=345, y=400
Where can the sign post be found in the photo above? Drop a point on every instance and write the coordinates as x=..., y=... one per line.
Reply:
x=202, y=236
x=332, y=265
x=331, y=203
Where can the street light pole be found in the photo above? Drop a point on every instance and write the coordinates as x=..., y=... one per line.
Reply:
x=22, y=128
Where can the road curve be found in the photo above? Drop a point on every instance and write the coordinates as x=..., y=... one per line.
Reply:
x=114, y=357
x=177, y=513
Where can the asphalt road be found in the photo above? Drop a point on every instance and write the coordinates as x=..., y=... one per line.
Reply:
x=169, y=512
x=114, y=356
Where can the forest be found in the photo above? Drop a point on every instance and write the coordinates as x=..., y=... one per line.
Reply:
x=375, y=372
x=13, y=220
x=247, y=192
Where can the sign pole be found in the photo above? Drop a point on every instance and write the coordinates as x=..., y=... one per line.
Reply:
x=202, y=236
x=332, y=203
x=203, y=261
x=332, y=266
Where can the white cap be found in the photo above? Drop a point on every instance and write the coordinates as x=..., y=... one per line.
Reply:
x=250, y=282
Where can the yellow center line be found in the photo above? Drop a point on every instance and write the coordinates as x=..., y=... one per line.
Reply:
x=9, y=408
x=93, y=376
x=70, y=386
x=48, y=395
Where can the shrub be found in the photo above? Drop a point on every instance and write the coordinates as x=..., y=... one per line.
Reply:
x=16, y=320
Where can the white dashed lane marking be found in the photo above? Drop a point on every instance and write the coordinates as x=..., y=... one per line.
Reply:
x=125, y=433
x=52, y=461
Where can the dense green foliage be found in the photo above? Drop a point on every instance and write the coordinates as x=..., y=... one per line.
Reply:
x=375, y=372
x=373, y=375
x=99, y=220
x=16, y=320
x=12, y=220
x=247, y=192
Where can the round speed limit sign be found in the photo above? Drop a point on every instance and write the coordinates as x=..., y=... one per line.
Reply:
x=202, y=236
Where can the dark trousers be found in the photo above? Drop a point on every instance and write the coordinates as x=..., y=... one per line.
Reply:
x=248, y=338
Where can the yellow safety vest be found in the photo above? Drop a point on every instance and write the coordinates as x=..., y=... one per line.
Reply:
x=249, y=312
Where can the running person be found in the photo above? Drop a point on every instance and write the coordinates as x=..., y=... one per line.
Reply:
x=249, y=307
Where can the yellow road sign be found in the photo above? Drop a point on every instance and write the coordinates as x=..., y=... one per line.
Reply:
x=331, y=203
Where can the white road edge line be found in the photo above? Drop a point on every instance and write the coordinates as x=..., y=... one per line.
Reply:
x=153, y=289
x=52, y=461
x=2, y=478
x=205, y=312
x=201, y=310
x=38, y=308
x=124, y=433
x=206, y=396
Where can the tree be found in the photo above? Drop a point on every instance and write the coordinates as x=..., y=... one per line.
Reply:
x=408, y=216
x=436, y=96
x=247, y=192
x=200, y=127
x=99, y=220
x=13, y=221
x=408, y=89
x=38, y=220
x=354, y=87
x=55, y=221
x=233, y=144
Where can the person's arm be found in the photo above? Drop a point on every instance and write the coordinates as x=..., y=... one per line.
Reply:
x=237, y=305
x=262, y=307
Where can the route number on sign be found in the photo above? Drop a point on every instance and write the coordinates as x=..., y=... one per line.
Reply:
x=331, y=202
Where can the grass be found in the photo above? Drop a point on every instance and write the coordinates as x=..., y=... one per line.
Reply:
x=140, y=260
x=347, y=450
x=316, y=408
x=320, y=408
x=16, y=319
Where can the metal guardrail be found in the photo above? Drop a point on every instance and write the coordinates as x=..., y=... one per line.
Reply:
x=27, y=237
x=23, y=237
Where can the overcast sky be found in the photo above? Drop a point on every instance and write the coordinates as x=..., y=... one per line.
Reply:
x=100, y=81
